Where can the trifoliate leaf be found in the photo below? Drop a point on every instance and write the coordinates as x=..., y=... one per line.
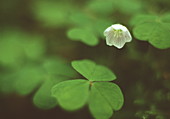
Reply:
x=105, y=97
x=92, y=71
x=71, y=95
x=83, y=35
x=153, y=29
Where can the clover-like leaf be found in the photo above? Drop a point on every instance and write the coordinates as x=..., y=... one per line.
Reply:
x=105, y=97
x=153, y=29
x=72, y=94
x=92, y=71
x=56, y=70
x=87, y=29
x=39, y=78
x=83, y=35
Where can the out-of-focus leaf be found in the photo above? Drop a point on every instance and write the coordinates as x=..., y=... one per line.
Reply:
x=58, y=66
x=101, y=7
x=43, y=98
x=83, y=35
x=39, y=78
x=28, y=80
x=16, y=45
x=129, y=6
x=7, y=83
x=52, y=13
x=80, y=19
x=108, y=7
x=101, y=25
x=153, y=29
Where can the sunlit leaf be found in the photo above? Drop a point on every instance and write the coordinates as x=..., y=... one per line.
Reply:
x=72, y=94
x=92, y=71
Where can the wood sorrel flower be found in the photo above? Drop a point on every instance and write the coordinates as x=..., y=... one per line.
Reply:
x=117, y=35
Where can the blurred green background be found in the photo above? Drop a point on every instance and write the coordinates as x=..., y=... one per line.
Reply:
x=39, y=39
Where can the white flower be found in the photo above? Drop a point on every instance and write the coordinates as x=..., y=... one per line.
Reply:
x=117, y=35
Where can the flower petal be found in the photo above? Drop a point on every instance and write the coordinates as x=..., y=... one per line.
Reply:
x=118, y=42
x=127, y=36
x=107, y=30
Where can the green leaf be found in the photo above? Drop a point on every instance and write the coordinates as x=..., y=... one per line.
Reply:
x=143, y=18
x=83, y=35
x=80, y=19
x=71, y=95
x=52, y=13
x=105, y=97
x=129, y=6
x=43, y=98
x=98, y=106
x=101, y=7
x=29, y=78
x=58, y=66
x=153, y=29
x=7, y=83
x=39, y=79
x=100, y=25
x=92, y=71
x=34, y=47
x=16, y=45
